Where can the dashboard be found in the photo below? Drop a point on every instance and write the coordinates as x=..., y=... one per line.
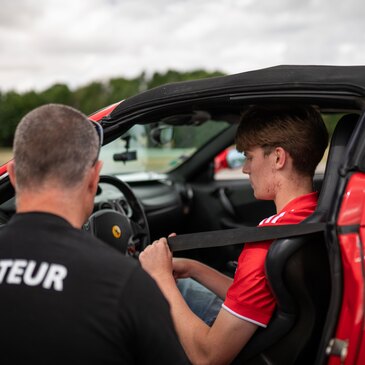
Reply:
x=162, y=202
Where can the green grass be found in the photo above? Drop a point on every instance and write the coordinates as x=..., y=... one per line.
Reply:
x=5, y=155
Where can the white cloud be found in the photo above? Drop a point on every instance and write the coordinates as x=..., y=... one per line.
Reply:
x=77, y=41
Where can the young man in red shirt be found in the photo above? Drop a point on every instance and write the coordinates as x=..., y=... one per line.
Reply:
x=283, y=145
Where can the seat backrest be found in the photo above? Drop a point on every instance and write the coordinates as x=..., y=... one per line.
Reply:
x=299, y=275
x=336, y=154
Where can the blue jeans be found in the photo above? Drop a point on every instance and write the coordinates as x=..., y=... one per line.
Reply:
x=203, y=302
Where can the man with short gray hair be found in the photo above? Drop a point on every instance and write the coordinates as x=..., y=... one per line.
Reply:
x=65, y=296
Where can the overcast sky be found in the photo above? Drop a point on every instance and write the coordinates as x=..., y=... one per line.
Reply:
x=75, y=41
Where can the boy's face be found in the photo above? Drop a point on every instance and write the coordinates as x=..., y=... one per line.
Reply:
x=261, y=171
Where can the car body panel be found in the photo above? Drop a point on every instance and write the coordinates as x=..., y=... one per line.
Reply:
x=329, y=86
x=3, y=170
x=351, y=221
x=103, y=112
x=330, y=79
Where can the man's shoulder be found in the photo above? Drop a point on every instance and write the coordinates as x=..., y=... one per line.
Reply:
x=53, y=239
x=95, y=250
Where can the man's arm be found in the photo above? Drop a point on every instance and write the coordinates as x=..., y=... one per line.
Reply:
x=146, y=326
x=218, y=344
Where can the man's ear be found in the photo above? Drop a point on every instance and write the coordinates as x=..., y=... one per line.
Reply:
x=94, y=176
x=11, y=172
x=280, y=157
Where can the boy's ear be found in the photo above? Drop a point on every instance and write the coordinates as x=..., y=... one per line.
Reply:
x=280, y=157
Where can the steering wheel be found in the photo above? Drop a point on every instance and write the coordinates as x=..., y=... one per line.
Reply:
x=130, y=233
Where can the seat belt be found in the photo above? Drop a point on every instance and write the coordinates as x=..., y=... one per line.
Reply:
x=236, y=236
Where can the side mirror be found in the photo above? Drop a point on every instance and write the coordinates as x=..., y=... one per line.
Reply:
x=162, y=134
x=229, y=158
x=235, y=159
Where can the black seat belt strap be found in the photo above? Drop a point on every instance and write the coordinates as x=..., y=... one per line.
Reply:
x=235, y=236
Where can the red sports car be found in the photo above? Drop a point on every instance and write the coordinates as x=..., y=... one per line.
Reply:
x=159, y=173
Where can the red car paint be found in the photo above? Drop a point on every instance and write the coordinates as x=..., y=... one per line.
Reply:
x=350, y=327
x=220, y=162
x=3, y=169
x=103, y=112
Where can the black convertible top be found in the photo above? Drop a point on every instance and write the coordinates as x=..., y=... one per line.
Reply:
x=337, y=79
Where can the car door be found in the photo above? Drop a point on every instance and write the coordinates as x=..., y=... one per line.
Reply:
x=346, y=345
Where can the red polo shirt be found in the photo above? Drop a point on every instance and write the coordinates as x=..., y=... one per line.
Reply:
x=249, y=297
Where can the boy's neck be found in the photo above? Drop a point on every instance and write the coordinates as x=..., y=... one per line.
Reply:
x=295, y=189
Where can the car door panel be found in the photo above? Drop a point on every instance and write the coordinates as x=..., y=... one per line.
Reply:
x=227, y=204
x=163, y=207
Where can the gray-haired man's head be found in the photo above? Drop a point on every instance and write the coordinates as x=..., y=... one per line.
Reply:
x=53, y=144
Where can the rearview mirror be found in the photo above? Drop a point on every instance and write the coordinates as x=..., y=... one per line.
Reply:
x=125, y=156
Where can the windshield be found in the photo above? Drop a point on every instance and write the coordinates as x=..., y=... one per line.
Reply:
x=156, y=148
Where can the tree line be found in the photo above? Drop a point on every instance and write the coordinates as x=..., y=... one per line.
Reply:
x=88, y=98
x=91, y=97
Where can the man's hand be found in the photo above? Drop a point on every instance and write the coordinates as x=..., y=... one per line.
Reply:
x=156, y=259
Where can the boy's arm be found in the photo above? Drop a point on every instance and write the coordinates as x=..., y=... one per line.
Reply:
x=218, y=344
x=212, y=279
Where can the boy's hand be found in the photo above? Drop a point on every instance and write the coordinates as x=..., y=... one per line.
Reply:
x=156, y=259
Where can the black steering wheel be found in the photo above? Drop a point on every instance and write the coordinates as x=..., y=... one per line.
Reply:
x=128, y=233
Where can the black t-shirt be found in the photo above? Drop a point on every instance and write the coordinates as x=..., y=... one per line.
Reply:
x=68, y=298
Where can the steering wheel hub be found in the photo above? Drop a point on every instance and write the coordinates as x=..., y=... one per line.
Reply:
x=111, y=227
x=129, y=235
